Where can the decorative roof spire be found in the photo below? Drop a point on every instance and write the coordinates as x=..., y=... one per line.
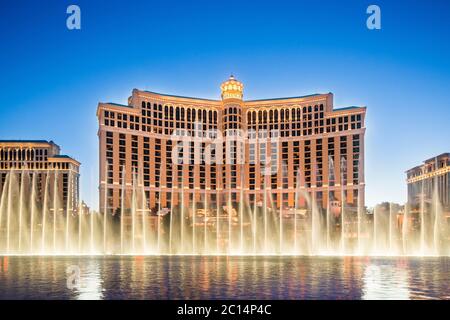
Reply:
x=232, y=89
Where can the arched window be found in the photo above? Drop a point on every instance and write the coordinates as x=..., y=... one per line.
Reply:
x=282, y=115
x=188, y=113
x=143, y=104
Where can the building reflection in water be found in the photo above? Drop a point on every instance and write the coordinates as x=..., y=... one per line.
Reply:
x=4, y=264
x=90, y=285
x=385, y=281
x=221, y=277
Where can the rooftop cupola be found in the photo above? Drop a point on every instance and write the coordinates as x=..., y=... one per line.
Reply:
x=232, y=89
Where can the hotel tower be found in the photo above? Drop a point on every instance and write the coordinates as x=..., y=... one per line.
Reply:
x=428, y=180
x=39, y=195
x=194, y=150
x=43, y=158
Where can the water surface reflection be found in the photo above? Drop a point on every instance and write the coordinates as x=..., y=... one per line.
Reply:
x=190, y=277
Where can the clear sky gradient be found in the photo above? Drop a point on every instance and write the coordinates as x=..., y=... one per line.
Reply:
x=51, y=78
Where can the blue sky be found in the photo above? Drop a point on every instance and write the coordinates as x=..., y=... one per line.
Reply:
x=51, y=78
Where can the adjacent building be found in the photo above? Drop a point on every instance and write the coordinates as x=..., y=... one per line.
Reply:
x=430, y=180
x=21, y=160
x=294, y=148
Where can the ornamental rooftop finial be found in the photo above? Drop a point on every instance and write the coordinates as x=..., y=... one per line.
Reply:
x=232, y=89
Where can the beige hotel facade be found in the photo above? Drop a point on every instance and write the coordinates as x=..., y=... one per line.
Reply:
x=295, y=148
x=42, y=158
x=430, y=179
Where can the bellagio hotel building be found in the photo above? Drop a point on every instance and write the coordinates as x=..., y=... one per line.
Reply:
x=197, y=150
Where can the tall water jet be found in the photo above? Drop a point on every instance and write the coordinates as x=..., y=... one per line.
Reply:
x=391, y=228
x=328, y=221
x=105, y=210
x=315, y=225
x=439, y=223
x=133, y=214
x=182, y=214
x=360, y=209
x=33, y=211
x=375, y=229
x=158, y=218
x=331, y=179
x=67, y=225
x=280, y=231
x=241, y=212
x=316, y=218
x=217, y=223
x=144, y=212
x=21, y=207
x=422, y=219
x=405, y=229
x=44, y=212
x=194, y=229
x=280, y=213
x=172, y=199
x=343, y=220
x=122, y=211
x=229, y=211
x=55, y=207
x=266, y=225
x=205, y=224
x=9, y=210
x=296, y=208
x=4, y=201
x=254, y=226
x=92, y=239
x=80, y=228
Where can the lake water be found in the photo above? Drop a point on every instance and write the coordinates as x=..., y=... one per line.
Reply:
x=194, y=277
